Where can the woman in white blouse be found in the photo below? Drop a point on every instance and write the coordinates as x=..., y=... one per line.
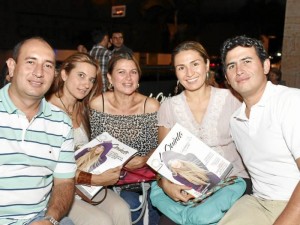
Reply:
x=202, y=109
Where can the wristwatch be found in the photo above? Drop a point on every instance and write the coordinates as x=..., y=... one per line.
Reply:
x=52, y=220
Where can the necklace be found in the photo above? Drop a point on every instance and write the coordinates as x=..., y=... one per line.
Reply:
x=69, y=113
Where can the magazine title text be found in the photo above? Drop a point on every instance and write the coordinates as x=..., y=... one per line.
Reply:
x=168, y=147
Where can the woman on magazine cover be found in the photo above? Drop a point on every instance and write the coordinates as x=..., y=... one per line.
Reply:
x=77, y=82
x=189, y=170
x=204, y=110
x=90, y=158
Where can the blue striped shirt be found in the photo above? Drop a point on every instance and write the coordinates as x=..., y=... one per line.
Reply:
x=32, y=153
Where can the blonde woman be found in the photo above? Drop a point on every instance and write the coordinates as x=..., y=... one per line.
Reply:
x=189, y=170
x=78, y=80
x=86, y=161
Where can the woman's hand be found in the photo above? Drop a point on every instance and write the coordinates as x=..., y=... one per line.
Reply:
x=136, y=162
x=109, y=177
x=175, y=191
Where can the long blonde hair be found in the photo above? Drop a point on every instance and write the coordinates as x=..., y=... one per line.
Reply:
x=188, y=170
x=85, y=162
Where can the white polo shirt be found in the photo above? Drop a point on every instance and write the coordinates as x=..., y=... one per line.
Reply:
x=269, y=141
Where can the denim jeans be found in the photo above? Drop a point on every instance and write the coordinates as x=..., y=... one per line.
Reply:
x=40, y=216
x=132, y=198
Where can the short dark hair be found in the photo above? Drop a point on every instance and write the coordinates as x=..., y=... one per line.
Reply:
x=243, y=41
x=117, y=31
x=17, y=48
x=98, y=35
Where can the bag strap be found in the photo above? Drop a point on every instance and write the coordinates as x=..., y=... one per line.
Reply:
x=86, y=199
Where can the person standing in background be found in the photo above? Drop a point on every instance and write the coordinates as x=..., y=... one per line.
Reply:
x=37, y=159
x=117, y=41
x=101, y=53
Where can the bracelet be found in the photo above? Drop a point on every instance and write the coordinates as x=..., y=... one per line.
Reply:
x=84, y=178
x=52, y=220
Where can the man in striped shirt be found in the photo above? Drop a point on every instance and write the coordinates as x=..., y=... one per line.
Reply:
x=37, y=166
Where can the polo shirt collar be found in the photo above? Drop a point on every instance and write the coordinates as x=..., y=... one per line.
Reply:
x=268, y=92
x=11, y=108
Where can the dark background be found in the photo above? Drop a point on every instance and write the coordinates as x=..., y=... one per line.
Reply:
x=147, y=25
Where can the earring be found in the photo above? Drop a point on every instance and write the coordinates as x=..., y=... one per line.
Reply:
x=207, y=76
x=177, y=87
x=138, y=85
x=110, y=86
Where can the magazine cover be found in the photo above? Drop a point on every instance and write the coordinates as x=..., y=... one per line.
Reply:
x=102, y=153
x=184, y=159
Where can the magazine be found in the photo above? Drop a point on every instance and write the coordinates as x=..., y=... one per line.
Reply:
x=102, y=153
x=184, y=159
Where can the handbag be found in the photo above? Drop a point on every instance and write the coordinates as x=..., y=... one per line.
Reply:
x=139, y=175
x=208, y=209
x=138, y=181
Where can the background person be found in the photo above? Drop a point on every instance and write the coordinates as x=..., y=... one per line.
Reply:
x=77, y=82
x=265, y=129
x=117, y=41
x=202, y=109
x=81, y=48
x=274, y=76
x=128, y=116
x=101, y=53
x=36, y=160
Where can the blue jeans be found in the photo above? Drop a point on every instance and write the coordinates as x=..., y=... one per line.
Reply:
x=40, y=216
x=132, y=198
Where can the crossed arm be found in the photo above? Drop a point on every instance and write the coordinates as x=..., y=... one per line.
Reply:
x=291, y=213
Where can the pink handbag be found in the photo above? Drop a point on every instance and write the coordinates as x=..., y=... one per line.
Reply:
x=142, y=174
